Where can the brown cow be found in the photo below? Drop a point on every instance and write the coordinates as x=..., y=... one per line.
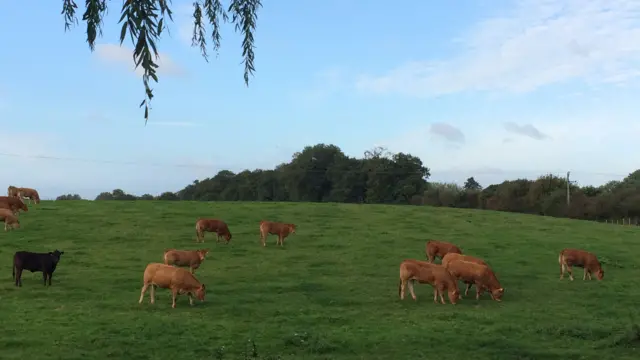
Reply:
x=190, y=258
x=455, y=256
x=580, y=258
x=12, y=191
x=275, y=228
x=438, y=249
x=13, y=203
x=29, y=193
x=178, y=280
x=482, y=276
x=212, y=225
x=10, y=220
x=427, y=273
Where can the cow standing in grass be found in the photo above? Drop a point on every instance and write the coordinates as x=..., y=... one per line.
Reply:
x=427, y=273
x=479, y=275
x=580, y=258
x=178, y=280
x=454, y=256
x=10, y=219
x=212, y=225
x=13, y=203
x=30, y=194
x=43, y=262
x=275, y=228
x=438, y=249
x=190, y=258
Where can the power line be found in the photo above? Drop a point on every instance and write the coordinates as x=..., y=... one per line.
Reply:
x=479, y=172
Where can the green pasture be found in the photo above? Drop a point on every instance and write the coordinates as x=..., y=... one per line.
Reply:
x=330, y=293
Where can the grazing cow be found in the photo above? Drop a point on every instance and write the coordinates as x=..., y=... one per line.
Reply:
x=455, y=256
x=427, y=273
x=580, y=258
x=44, y=262
x=275, y=228
x=29, y=193
x=13, y=203
x=212, y=225
x=178, y=280
x=482, y=276
x=10, y=219
x=438, y=249
x=190, y=258
x=12, y=191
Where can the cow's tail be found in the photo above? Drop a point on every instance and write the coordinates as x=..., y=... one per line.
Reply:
x=400, y=287
x=13, y=272
x=561, y=260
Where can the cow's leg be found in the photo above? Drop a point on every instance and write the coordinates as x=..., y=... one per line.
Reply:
x=18, y=277
x=44, y=277
x=562, y=270
x=589, y=274
x=403, y=285
x=50, y=277
x=5, y=225
x=466, y=291
x=174, y=294
x=413, y=294
x=435, y=294
x=144, y=289
x=193, y=269
x=190, y=299
x=441, y=297
x=570, y=271
x=478, y=291
x=430, y=258
x=152, y=293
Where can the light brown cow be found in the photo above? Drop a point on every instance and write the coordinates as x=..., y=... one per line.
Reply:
x=455, y=256
x=13, y=203
x=10, y=220
x=212, y=225
x=178, y=280
x=479, y=275
x=12, y=191
x=580, y=258
x=189, y=258
x=427, y=273
x=438, y=249
x=29, y=193
x=275, y=228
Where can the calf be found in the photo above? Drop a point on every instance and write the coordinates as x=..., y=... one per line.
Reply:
x=275, y=228
x=29, y=193
x=580, y=258
x=10, y=219
x=178, y=280
x=455, y=256
x=190, y=258
x=44, y=262
x=480, y=275
x=13, y=203
x=427, y=273
x=212, y=225
x=438, y=249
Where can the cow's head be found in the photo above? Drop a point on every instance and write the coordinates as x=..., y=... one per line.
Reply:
x=56, y=254
x=292, y=228
x=23, y=206
x=600, y=274
x=227, y=237
x=202, y=253
x=200, y=292
x=496, y=294
x=454, y=295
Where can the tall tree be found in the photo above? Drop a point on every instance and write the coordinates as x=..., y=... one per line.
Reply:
x=145, y=20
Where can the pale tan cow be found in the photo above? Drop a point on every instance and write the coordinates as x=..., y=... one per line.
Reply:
x=178, y=280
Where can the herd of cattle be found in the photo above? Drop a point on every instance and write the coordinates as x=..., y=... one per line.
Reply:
x=168, y=275
x=171, y=274
x=473, y=271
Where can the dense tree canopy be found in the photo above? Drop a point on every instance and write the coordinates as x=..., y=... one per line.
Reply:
x=145, y=21
x=323, y=173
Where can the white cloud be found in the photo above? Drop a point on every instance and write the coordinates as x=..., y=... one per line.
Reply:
x=581, y=145
x=123, y=56
x=538, y=43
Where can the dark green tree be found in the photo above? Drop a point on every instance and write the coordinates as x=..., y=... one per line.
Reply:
x=472, y=184
x=145, y=21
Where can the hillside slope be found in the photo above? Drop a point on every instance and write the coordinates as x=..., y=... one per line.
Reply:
x=331, y=293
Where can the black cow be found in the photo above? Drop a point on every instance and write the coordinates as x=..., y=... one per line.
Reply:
x=27, y=260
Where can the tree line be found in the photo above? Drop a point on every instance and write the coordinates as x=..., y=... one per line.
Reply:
x=323, y=173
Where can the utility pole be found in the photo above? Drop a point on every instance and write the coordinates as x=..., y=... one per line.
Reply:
x=568, y=189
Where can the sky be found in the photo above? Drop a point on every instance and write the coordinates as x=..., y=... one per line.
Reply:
x=495, y=89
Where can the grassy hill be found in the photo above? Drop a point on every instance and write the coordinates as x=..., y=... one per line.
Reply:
x=331, y=293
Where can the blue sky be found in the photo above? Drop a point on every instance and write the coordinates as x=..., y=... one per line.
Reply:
x=493, y=89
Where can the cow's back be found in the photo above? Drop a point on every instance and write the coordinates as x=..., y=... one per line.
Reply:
x=449, y=257
x=169, y=276
x=179, y=257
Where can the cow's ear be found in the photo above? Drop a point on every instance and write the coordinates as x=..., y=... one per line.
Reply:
x=61, y=252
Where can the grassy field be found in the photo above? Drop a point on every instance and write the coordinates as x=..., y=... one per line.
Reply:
x=331, y=293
